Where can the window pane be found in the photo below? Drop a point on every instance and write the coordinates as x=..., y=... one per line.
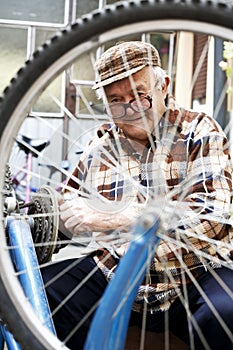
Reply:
x=84, y=7
x=13, y=43
x=36, y=10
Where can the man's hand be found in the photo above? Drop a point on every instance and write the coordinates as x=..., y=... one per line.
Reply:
x=83, y=215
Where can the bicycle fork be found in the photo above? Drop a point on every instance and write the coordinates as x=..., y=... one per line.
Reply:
x=119, y=296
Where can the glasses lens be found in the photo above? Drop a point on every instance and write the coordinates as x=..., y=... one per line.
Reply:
x=141, y=105
x=117, y=110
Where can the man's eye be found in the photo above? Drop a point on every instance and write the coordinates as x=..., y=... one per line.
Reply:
x=141, y=93
x=115, y=100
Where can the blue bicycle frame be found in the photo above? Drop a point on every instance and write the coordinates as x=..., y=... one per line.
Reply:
x=121, y=291
x=118, y=297
x=25, y=260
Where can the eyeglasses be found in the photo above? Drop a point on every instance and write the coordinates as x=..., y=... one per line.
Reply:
x=118, y=110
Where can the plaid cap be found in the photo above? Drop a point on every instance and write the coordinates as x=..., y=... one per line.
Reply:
x=123, y=60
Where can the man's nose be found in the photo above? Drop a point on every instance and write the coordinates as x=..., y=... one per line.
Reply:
x=129, y=110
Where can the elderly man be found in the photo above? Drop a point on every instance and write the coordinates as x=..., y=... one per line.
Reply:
x=152, y=150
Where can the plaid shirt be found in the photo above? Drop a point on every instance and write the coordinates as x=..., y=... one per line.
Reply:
x=187, y=169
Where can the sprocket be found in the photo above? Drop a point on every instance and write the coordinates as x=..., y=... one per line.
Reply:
x=45, y=214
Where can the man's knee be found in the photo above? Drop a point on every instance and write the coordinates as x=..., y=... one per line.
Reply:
x=215, y=325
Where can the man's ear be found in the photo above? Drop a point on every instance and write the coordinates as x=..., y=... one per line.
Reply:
x=166, y=85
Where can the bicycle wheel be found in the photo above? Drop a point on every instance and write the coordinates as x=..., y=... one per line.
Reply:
x=33, y=87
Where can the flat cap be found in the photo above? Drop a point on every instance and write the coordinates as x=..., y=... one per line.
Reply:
x=123, y=60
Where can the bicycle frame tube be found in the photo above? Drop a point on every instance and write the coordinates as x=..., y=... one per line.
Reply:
x=2, y=329
x=9, y=339
x=26, y=262
x=28, y=177
x=121, y=291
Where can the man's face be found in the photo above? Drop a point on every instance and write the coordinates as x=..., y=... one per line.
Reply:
x=137, y=125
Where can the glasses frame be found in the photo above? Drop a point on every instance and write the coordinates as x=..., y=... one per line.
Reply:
x=129, y=105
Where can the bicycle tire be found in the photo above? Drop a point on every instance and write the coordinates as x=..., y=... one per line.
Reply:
x=90, y=31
